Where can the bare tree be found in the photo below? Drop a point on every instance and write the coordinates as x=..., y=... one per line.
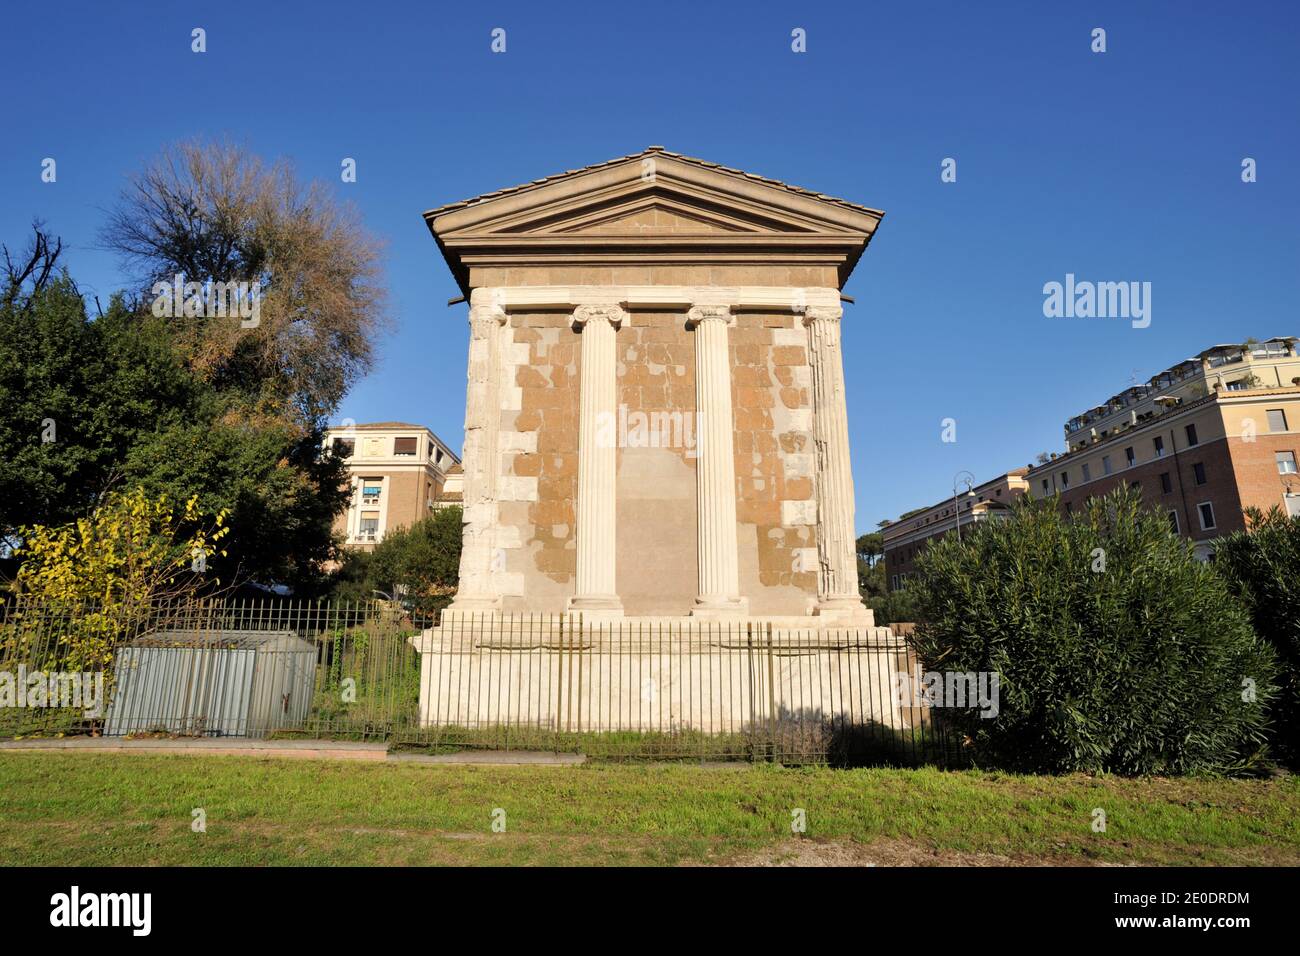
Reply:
x=30, y=272
x=215, y=213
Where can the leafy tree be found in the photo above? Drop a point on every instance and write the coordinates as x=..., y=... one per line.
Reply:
x=74, y=395
x=419, y=564
x=894, y=607
x=1116, y=649
x=871, y=547
x=280, y=493
x=107, y=570
x=213, y=212
x=92, y=405
x=1262, y=566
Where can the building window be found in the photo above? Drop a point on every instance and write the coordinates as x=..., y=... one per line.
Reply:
x=1087, y=472
x=1166, y=484
x=1105, y=464
x=1276, y=420
x=1191, y=435
x=1206, y=511
x=1069, y=508
x=1198, y=470
x=369, y=527
x=1130, y=457
x=404, y=446
x=1268, y=350
x=1237, y=386
x=344, y=447
x=1285, y=462
x=1065, y=479
x=1159, y=444
x=1046, y=486
x=437, y=456
x=1173, y=522
x=370, y=490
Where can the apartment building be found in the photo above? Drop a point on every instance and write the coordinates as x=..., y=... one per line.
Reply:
x=398, y=474
x=907, y=537
x=1201, y=441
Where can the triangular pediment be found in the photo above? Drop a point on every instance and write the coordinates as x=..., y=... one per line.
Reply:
x=657, y=202
x=645, y=210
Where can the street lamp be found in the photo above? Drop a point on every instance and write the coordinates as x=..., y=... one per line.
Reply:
x=969, y=479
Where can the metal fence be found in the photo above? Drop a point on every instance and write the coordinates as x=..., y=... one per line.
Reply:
x=622, y=690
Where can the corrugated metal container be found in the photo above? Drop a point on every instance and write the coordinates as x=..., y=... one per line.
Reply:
x=212, y=683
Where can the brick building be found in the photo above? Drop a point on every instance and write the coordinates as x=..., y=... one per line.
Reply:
x=907, y=537
x=398, y=474
x=1202, y=441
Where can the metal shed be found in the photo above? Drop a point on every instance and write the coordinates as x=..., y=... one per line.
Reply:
x=220, y=683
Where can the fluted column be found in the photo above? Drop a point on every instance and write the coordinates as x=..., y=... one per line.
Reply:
x=597, y=593
x=715, y=468
x=475, y=591
x=837, y=579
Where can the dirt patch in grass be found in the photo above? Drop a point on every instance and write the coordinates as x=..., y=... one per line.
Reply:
x=885, y=853
x=892, y=852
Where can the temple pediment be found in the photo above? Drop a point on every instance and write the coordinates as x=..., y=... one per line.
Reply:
x=652, y=207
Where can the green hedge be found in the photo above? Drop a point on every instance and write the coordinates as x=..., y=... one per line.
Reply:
x=1115, y=648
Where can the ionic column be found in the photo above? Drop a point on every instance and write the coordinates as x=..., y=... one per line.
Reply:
x=837, y=579
x=715, y=468
x=597, y=594
x=475, y=591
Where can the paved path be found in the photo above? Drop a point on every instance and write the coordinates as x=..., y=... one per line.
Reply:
x=305, y=749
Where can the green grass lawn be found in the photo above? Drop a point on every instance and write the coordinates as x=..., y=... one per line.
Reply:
x=106, y=809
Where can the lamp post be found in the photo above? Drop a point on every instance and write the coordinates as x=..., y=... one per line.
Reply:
x=961, y=476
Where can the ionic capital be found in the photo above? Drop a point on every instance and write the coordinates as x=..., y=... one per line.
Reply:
x=612, y=314
x=699, y=314
x=487, y=312
x=822, y=313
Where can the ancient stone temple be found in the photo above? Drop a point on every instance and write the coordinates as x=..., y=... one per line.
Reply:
x=656, y=422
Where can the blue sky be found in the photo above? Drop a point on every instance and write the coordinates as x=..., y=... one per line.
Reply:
x=1119, y=166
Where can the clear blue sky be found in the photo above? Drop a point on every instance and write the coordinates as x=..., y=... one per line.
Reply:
x=1116, y=166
